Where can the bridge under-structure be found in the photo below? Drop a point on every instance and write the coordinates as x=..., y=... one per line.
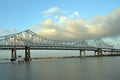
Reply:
x=28, y=40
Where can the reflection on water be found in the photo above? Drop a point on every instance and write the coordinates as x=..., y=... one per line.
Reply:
x=105, y=68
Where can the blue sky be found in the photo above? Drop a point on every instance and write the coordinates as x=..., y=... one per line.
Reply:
x=22, y=14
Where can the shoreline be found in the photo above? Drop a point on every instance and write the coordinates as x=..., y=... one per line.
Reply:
x=109, y=55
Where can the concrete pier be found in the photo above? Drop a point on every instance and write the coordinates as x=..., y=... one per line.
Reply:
x=82, y=51
x=99, y=52
x=27, y=54
x=95, y=53
x=13, y=54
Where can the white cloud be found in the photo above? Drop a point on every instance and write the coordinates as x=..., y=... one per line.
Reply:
x=48, y=32
x=6, y=31
x=107, y=25
x=70, y=30
x=99, y=26
x=53, y=12
x=75, y=15
x=49, y=24
x=63, y=19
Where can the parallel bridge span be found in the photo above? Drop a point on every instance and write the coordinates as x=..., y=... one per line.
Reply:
x=28, y=40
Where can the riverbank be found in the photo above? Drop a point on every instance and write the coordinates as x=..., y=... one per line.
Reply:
x=35, y=58
x=109, y=55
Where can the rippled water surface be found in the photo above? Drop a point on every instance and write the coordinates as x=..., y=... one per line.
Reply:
x=105, y=68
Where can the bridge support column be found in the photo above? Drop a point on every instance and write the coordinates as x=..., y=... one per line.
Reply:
x=83, y=53
x=95, y=53
x=99, y=52
x=13, y=54
x=27, y=54
x=117, y=52
x=112, y=51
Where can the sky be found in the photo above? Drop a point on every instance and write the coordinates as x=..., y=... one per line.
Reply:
x=61, y=19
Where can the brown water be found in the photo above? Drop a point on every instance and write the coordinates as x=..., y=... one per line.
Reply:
x=105, y=68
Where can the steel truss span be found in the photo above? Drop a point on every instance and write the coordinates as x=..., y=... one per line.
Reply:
x=28, y=40
x=31, y=39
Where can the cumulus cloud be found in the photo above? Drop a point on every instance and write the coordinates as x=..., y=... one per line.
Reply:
x=106, y=25
x=72, y=29
x=75, y=15
x=53, y=12
x=6, y=31
x=63, y=19
x=66, y=27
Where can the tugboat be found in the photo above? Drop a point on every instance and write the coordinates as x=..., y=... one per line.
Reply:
x=12, y=59
x=19, y=59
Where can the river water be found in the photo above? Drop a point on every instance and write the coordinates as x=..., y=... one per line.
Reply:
x=103, y=68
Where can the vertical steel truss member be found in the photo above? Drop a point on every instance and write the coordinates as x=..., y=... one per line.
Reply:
x=27, y=54
x=13, y=54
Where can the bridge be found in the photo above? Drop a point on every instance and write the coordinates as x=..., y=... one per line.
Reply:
x=28, y=40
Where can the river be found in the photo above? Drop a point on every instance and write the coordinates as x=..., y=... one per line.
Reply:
x=102, y=68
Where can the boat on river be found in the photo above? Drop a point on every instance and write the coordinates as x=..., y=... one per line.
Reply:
x=19, y=59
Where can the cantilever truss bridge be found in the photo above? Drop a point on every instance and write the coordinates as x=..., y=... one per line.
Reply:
x=28, y=40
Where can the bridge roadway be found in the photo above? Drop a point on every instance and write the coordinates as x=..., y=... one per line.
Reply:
x=13, y=48
x=28, y=40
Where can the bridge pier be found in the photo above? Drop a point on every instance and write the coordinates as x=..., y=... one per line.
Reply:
x=83, y=53
x=27, y=54
x=117, y=52
x=13, y=54
x=99, y=52
x=111, y=51
x=95, y=53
